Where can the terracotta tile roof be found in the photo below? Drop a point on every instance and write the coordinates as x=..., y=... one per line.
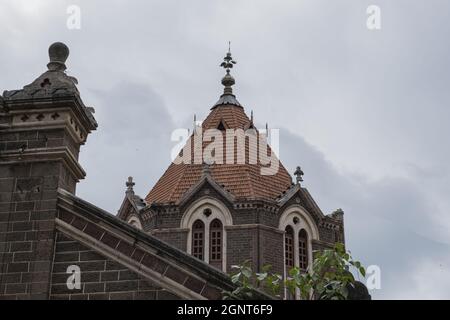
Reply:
x=244, y=181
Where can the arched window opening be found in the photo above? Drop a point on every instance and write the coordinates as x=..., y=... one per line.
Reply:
x=289, y=248
x=303, y=249
x=215, y=240
x=198, y=239
x=215, y=217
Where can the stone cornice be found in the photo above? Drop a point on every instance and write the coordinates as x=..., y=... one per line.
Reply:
x=322, y=243
x=254, y=226
x=42, y=155
x=71, y=102
x=168, y=230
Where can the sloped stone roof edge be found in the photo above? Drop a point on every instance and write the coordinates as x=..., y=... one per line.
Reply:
x=181, y=257
x=215, y=277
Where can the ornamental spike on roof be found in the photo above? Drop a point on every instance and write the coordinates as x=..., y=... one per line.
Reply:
x=227, y=98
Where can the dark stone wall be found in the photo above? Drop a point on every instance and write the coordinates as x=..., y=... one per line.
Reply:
x=271, y=246
x=257, y=244
x=177, y=238
x=242, y=245
x=168, y=219
x=326, y=234
x=28, y=196
x=27, y=212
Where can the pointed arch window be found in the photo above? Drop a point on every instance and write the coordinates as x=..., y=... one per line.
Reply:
x=211, y=231
x=303, y=249
x=198, y=239
x=215, y=239
x=289, y=247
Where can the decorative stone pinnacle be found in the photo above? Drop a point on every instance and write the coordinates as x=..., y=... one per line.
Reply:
x=130, y=184
x=206, y=170
x=58, y=53
x=338, y=214
x=228, y=81
x=299, y=174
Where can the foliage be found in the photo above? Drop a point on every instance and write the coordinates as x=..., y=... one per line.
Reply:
x=246, y=281
x=328, y=278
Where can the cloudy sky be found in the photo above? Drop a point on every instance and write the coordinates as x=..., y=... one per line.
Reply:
x=364, y=112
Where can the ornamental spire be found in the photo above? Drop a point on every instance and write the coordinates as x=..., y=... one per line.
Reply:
x=228, y=64
x=130, y=184
x=228, y=81
x=299, y=175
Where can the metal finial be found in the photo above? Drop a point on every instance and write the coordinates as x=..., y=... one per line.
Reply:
x=299, y=174
x=228, y=61
x=228, y=80
x=130, y=184
x=251, y=116
x=228, y=98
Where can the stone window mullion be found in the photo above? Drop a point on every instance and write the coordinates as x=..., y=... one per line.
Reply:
x=206, y=241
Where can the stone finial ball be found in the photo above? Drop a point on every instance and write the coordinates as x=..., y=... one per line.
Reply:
x=58, y=52
x=228, y=80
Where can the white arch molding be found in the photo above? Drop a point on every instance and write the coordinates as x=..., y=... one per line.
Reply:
x=218, y=211
x=304, y=222
x=135, y=222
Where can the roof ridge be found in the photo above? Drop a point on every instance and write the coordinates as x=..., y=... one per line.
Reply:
x=177, y=184
x=247, y=170
x=234, y=119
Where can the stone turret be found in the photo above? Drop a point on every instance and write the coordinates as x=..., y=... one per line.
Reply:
x=42, y=128
x=48, y=121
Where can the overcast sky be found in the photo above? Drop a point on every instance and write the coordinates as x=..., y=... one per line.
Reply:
x=364, y=112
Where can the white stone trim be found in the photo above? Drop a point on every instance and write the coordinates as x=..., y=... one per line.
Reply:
x=134, y=221
x=218, y=211
x=304, y=222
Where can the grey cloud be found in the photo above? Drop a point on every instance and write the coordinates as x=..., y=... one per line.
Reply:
x=388, y=219
x=365, y=113
x=133, y=121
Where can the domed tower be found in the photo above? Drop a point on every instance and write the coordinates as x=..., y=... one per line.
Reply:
x=227, y=198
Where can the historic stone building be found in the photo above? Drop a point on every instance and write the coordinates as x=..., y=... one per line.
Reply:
x=228, y=212
x=198, y=220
